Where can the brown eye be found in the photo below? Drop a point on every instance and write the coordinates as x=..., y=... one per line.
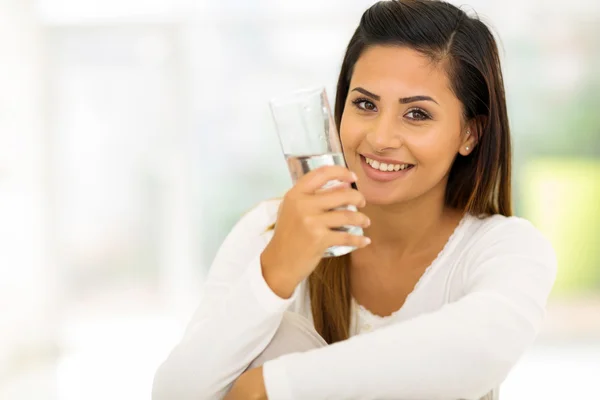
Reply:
x=369, y=106
x=364, y=104
x=418, y=115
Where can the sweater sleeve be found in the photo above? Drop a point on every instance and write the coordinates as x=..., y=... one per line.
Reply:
x=460, y=351
x=237, y=317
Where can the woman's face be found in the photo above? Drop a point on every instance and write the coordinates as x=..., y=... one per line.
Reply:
x=402, y=126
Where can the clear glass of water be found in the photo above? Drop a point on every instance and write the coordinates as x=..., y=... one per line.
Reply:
x=309, y=140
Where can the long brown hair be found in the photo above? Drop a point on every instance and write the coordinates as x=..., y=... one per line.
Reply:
x=480, y=183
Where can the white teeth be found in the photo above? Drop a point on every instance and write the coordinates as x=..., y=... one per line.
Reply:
x=386, y=167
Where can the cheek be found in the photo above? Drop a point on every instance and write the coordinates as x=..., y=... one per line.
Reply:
x=436, y=148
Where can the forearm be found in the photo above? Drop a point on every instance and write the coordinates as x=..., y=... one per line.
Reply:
x=439, y=356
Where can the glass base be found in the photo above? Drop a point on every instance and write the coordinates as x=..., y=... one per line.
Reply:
x=336, y=251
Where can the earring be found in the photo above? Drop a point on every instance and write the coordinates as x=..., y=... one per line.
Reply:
x=467, y=148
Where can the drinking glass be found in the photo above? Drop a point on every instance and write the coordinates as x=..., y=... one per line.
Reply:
x=309, y=140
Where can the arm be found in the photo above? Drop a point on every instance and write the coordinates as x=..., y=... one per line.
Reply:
x=237, y=317
x=460, y=351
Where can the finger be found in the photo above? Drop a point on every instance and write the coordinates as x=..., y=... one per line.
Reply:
x=339, y=218
x=329, y=200
x=319, y=177
x=338, y=238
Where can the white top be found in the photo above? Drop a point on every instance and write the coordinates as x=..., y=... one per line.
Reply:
x=469, y=319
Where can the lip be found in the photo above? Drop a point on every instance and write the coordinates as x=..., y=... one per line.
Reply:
x=381, y=176
x=383, y=160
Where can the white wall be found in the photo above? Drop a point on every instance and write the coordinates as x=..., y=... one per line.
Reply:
x=28, y=292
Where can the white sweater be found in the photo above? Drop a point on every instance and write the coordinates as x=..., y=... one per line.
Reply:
x=469, y=319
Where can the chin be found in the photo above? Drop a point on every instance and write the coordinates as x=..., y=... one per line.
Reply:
x=384, y=197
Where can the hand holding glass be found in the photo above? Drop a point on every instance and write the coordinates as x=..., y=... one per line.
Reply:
x=309, y=140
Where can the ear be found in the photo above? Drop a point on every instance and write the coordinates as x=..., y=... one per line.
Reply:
x=470, y=135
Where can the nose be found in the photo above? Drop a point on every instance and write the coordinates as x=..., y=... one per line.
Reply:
x=384, y=133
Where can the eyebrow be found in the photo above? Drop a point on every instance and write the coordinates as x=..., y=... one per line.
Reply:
x=403, y=100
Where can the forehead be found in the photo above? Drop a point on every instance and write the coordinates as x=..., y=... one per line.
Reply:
x=400, y=71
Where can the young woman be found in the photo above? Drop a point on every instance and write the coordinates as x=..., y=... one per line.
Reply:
x=446, y=290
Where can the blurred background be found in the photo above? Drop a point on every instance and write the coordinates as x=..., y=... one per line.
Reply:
x=133, y=134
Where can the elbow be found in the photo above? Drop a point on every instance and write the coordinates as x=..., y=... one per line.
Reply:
x=489, y=376
x=171, y=383
x=165, y=385
x=493, y=354
x=489, y=369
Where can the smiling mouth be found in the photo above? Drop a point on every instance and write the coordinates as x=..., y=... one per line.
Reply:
x=384, y=167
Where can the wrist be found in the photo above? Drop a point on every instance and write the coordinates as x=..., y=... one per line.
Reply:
x=280, y=281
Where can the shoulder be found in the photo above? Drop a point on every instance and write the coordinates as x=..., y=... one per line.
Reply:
x=250, y=232
x=258, y=219
x=507, y=242
x=244, y=242
x=498, y=233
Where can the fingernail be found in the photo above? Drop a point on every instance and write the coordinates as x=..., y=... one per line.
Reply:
x=354, y=177
x=367, y=241
x=368, y=222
